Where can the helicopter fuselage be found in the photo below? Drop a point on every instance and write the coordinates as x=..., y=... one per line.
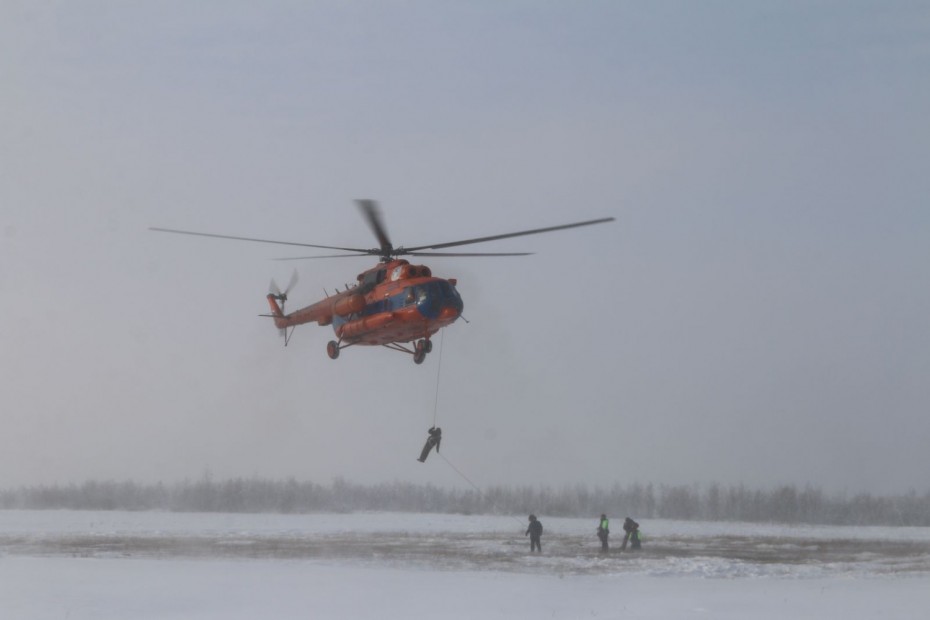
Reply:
x=395, y=302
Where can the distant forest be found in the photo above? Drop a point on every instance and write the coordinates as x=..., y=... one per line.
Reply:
x=785, y=504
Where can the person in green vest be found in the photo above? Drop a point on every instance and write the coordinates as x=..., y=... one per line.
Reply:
x=603, y=531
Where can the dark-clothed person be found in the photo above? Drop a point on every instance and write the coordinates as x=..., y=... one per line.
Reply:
x=534, y=531
x=435, y=436
x=631, y=529
x=603, y=531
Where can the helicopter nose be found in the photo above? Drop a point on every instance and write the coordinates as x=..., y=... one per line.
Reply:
x=449, y=313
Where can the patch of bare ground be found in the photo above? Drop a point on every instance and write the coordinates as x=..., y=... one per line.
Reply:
x=497, y=551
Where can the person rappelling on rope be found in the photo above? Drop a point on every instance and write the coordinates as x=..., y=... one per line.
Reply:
x=435, y=436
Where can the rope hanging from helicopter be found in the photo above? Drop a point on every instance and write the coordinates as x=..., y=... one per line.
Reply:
x=443, y=456
x=438, y=371
x=475, y=487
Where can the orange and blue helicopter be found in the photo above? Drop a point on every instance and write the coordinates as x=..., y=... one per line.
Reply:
x=392, y=304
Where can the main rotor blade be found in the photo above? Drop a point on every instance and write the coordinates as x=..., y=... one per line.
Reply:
x=508, y=235
x=402, y=252
x=373, y=216
x=305, y=245
x=464, y=253
x=367, y=253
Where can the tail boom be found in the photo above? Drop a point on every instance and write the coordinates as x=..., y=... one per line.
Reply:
x=322, y=312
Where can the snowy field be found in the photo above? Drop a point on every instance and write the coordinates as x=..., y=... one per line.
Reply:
x=103, y=565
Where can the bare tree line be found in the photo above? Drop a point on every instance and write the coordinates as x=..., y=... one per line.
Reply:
x=714, y=502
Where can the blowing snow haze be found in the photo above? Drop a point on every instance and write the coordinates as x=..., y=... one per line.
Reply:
x=759, y=312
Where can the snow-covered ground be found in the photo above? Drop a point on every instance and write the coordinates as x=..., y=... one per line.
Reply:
x=102, y=565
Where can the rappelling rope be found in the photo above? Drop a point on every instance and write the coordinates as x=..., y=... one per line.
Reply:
x=436, y=413
x=473, y=485
x=442, y=337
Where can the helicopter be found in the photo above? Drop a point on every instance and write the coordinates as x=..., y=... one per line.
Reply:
x=395, y=304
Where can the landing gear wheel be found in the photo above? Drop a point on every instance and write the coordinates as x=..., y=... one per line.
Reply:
x=419, y=353
x=332, y=349
x=428, y=347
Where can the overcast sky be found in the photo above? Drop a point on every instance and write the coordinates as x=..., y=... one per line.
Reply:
x=759, y=312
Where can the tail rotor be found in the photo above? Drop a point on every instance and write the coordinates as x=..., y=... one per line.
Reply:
x=275, y=291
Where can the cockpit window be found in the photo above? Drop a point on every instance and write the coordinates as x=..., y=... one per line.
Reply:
x=429, y=298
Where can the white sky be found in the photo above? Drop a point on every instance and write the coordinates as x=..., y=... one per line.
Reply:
x=758, y=313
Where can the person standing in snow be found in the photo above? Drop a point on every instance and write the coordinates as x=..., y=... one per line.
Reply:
x=631, y=529
x=603, y=531
x=435, y=436
x=534, y=531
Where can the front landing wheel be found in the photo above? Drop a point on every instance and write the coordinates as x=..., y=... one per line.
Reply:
x=332, y=349
x=419, y=352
